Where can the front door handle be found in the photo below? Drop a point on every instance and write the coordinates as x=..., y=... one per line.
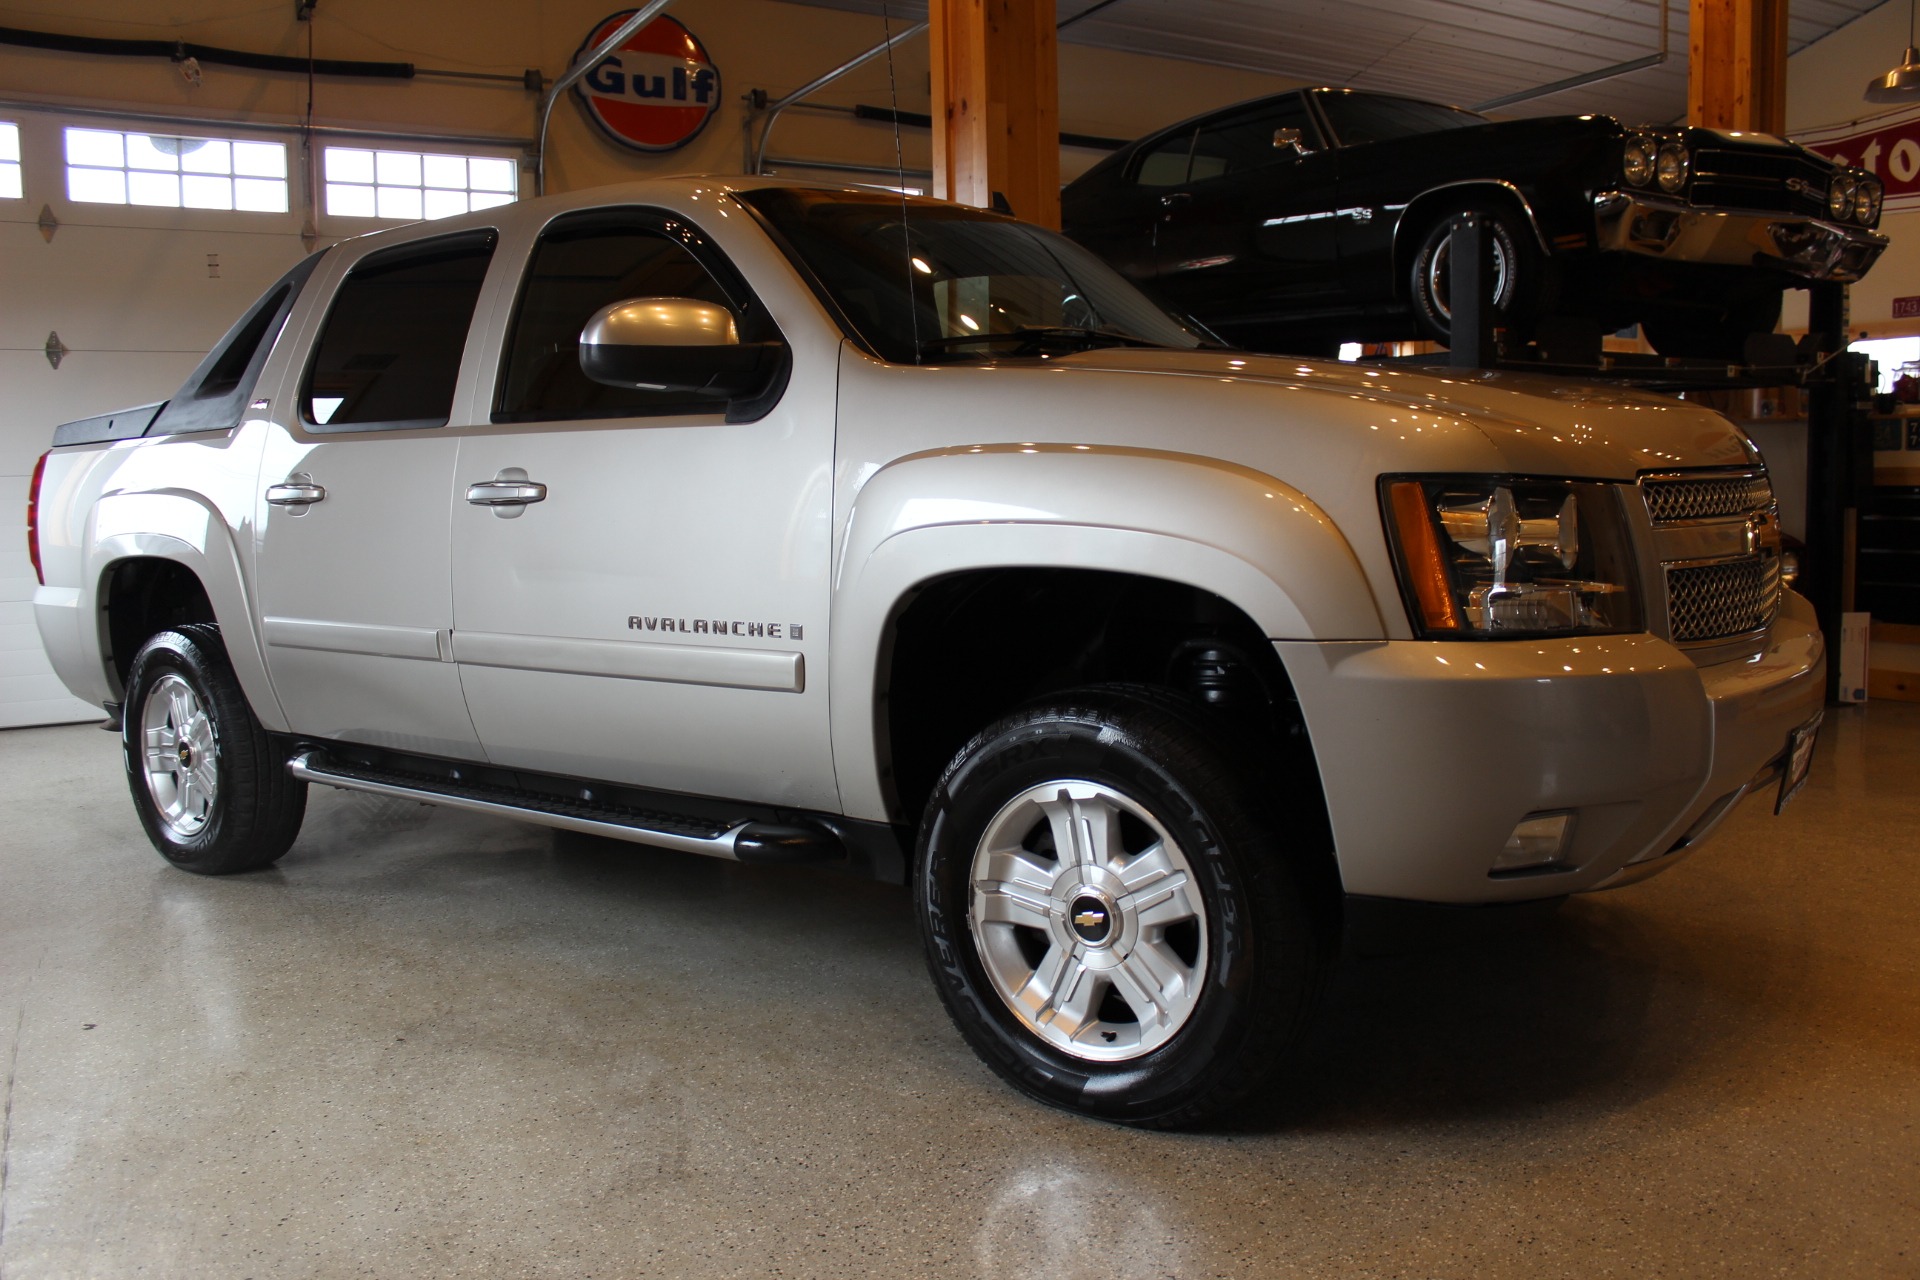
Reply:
x=507, y=493
x=298, y=491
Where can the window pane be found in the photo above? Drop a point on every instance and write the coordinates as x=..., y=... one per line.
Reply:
x=212, y=156
x=95, y=147
x=260, y=195
x=402, y=168
x=144, y=151
x=154, y=188
x=391, y=348
x=97, y=186
x=1166, y=166
x=444, y=204
x=400, y=202
x=573, y=274
x=489, y=199
x=446, y=171
x=260, y=159
x=9, y=180
x=493, y=175
x=345, y=164
x=201, y=192
x=349, y=202
x=9, y=142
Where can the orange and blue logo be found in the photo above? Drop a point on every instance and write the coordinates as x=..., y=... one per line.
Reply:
x=656, y=91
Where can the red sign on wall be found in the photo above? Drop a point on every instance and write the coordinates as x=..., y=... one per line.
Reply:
x=1906, y=308
x=656, y=91
x=1886, y=146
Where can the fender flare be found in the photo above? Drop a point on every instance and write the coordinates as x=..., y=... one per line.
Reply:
x=1244, y=536
x=179, y=526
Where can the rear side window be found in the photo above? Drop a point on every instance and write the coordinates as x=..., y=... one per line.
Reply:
x=214, y=396
x=584, y=263
x=389, y=355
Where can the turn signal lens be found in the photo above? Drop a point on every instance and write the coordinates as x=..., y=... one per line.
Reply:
x=1637, y=161
x=1670, y=167
x=1495, y=558
x=33, y=520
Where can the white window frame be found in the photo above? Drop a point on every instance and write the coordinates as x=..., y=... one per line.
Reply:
x=374, y=183
x=13, y=173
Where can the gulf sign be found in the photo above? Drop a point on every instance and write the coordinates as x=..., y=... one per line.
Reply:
x=1886, y=146
x=653, y=93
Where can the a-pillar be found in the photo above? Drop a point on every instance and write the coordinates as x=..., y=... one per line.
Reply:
x=996, y=98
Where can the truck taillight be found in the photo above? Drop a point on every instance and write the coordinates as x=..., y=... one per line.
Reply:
x=33, y=520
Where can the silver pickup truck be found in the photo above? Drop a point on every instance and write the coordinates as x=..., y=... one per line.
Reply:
x=792, y=523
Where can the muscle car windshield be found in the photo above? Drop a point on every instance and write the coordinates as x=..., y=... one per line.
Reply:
x=1365, y=117
x=921, y=282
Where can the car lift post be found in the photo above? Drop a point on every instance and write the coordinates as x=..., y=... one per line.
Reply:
x=1470, y=342
x=1835, y=471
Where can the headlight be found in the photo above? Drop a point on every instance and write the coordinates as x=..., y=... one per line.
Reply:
x=1491, y=557
x=1670, y=167
x=1840, y=195
x=1637, y=161
x=1866, y=201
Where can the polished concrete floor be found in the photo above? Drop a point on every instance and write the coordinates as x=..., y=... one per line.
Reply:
x=429, y=1044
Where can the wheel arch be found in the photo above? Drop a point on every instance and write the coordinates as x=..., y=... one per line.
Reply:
x=1421, y=211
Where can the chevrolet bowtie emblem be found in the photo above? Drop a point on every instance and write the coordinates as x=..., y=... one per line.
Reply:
x=1090, y=919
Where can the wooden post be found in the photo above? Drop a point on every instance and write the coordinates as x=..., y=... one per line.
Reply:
x=996, y=95
x=1737, y=65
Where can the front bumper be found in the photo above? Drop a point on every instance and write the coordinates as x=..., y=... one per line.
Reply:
x=1659, y=227
x=1431, y=752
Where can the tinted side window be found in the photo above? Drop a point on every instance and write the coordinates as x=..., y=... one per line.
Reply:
x=579, y=266
x=214, y=396
x=1166, y=164
x=1237, y=145
x=390, y=352
x=1360, y=118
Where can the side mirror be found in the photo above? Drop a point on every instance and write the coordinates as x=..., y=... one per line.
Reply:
x=1291, y=138
x=674, y=345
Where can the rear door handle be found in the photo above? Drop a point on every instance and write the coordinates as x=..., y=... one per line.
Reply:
x=303, y=493
x=508, y=493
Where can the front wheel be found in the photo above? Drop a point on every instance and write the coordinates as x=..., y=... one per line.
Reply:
x=211, y=789
x=1109, y=912
x=1517, y=276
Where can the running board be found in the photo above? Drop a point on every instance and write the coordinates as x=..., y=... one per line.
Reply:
x=736, y=841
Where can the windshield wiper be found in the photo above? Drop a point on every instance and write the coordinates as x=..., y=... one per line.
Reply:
x=1029, y=338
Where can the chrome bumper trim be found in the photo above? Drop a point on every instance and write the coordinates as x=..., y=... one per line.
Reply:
x=1672, y=229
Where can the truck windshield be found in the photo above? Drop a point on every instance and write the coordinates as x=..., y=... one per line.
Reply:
x=921, y=281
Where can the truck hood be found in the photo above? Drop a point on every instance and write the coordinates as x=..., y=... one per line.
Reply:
x=1530, y=423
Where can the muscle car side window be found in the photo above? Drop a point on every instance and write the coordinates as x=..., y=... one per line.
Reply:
x=390, y=353
x=584, y=263
x=1245, y=142
x=1166, y=164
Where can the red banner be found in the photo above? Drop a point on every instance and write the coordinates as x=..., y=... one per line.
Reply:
x=1886, y=146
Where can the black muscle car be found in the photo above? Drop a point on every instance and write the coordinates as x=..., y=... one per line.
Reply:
x=1297, y=221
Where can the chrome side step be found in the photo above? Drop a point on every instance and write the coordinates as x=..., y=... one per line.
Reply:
x=737, y=841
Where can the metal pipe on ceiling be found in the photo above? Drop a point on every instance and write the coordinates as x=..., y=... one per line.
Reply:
x=759, y=161
x=641, y=17
x=1587, y=78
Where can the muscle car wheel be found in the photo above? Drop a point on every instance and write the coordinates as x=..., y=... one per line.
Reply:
x=212, y=792
x=1515, y=276
x=1712, y=334
x=1109, y=915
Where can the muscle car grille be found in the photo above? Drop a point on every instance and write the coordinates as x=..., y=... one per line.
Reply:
x=1767, y=183
x=1706, y=498
x=1707, y=602
x=1713, y=595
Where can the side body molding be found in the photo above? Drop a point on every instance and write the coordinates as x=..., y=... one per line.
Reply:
x=179, y=526
x=1227, y=529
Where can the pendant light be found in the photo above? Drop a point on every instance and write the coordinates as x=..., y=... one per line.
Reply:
x=1902, y=84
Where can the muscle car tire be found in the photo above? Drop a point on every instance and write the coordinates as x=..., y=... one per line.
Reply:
x=1712, y=335
x=1516, y=272
x=211, y=789
x=1109, y=914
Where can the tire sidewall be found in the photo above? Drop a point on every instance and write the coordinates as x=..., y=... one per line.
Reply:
x=1039, y=748
x=1437, y=325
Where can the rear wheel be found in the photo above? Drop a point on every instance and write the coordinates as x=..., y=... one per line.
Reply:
x=208, y=783
x=1110, y=914
x=1712, y=334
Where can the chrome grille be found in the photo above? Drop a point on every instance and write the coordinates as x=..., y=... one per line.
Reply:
x=1709, y=601
x=1706, y=497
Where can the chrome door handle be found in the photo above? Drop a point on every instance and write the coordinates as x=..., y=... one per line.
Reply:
x=508, y=493
x=303, y=494
x=1175, y=197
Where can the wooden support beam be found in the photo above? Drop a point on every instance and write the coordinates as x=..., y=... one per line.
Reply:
x=1737, y=65
x=996, y=95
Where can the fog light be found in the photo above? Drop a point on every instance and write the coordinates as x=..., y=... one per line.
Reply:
x=1789, y=569
x=1536, y=844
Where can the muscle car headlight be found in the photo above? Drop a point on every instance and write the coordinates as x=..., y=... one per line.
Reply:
x=1637, y=161
x=1494, y=557
x=1840, y=195
x=1670, y=166
x=1867, y=193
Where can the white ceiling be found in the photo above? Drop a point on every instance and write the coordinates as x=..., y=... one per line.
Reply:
x=1462, y=52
